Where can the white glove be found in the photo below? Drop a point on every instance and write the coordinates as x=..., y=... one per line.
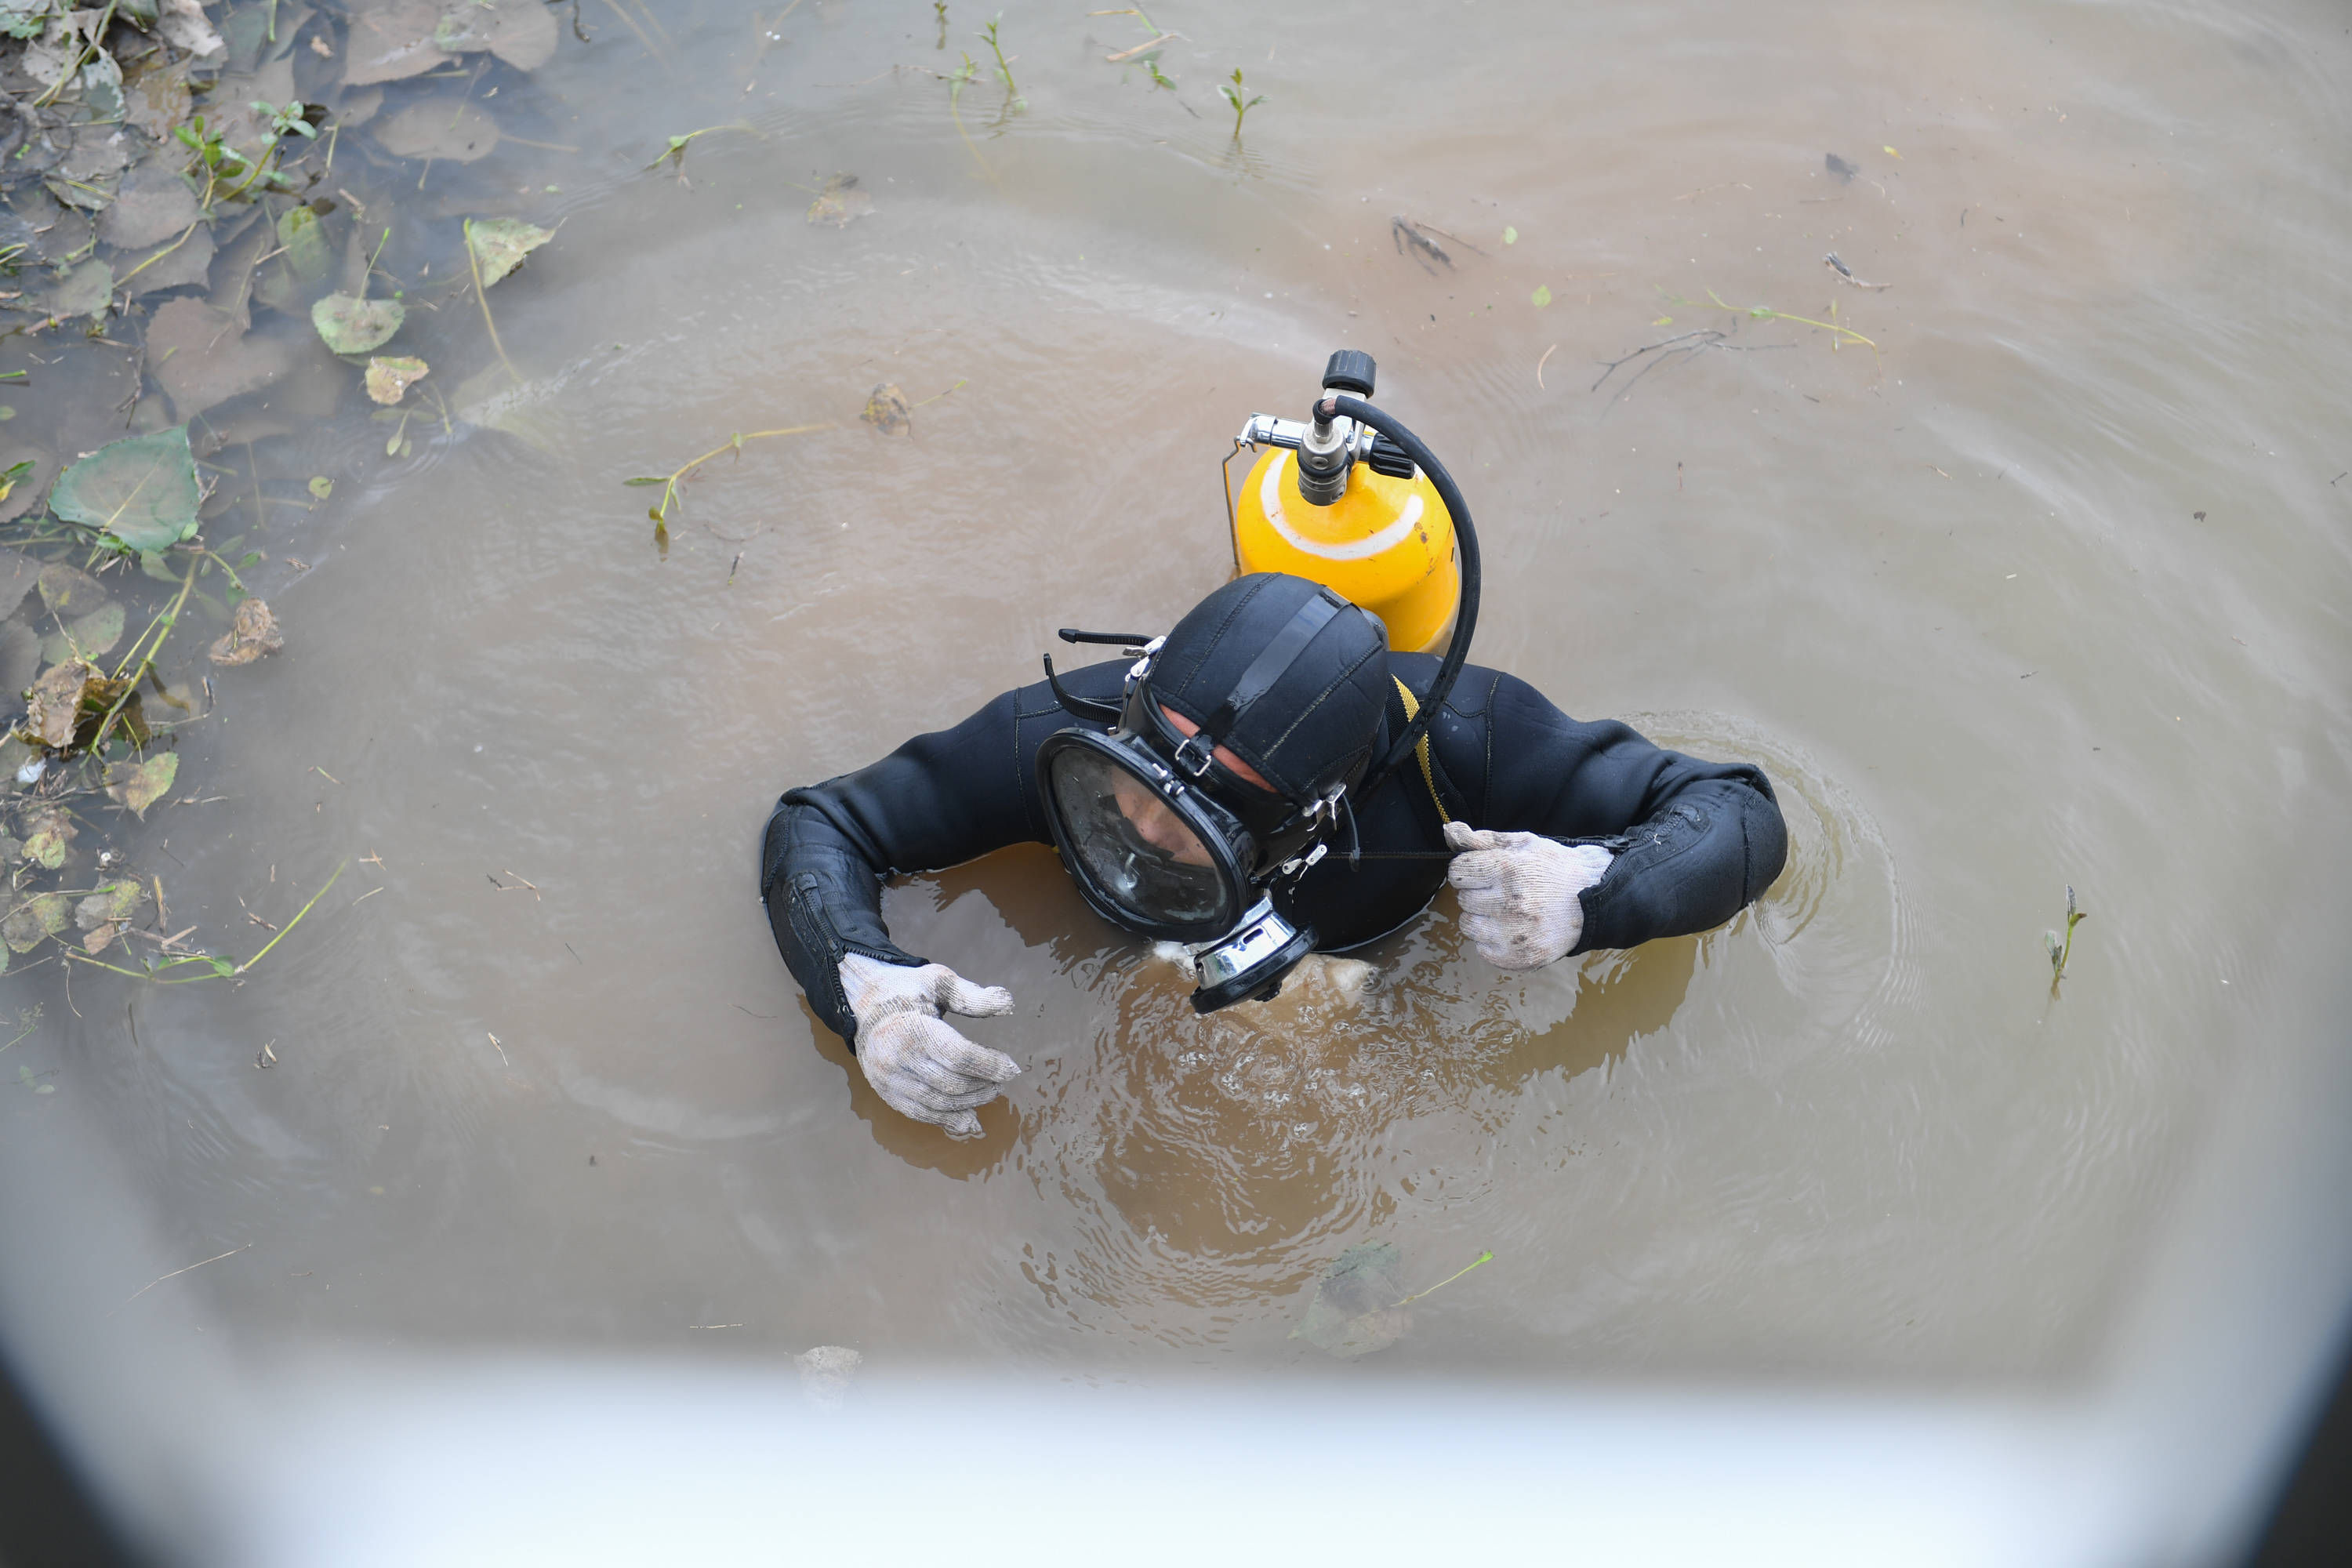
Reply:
x=1520, y=892
x=915, y=1062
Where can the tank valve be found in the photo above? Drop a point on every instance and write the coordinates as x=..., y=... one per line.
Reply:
x=1328, y=449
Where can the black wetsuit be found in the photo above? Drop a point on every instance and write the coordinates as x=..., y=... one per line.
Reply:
x=1694, y=842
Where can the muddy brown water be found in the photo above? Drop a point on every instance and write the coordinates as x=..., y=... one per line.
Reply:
x=2047, y=589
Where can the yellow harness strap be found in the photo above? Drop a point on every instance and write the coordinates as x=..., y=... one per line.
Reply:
x=1420, y=749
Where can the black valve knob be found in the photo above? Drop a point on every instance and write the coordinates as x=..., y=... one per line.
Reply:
x=1388, y=457
x=1351, y=370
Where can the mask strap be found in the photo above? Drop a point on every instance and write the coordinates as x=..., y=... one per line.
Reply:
x=1271, y=663
x=1079, y=706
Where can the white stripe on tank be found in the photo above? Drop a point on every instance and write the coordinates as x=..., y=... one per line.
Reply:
x=1270, y=495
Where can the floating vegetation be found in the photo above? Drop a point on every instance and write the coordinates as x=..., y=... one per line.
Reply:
x=1358, y=1307
x=494, y=248
x=1013, y=102
x=1681, y=345
x=388, y=381
x=670, y=482
x=1412, y=239
x=1840, y=334
x=175, y=206
x=251, y=633
x=887, y=410
x=2060, y=951
x=1232, y=92
x=840, y=203
x=352, y=326
x=167, y=965
x=675, y=154
x=448, y=130
x=139, y=494
x=499, y=245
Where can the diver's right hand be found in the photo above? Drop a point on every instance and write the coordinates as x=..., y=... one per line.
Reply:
x=921, y=1066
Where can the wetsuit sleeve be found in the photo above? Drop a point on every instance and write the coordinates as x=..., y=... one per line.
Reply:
x=1694, y=842
x=939, y=799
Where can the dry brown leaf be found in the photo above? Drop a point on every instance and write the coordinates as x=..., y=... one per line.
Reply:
x=388, y=379
x=183, y=24
x=174, y=264
x=54, y=707
x=519, y=32
x=391, y=40
x=444, y=128
x=251, y=634
x=155, y=97
x=201, y=357
x=152, y=205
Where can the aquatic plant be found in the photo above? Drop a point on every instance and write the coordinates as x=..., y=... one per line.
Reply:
x=1842, y=333
x=1015, y=103
x=287, y=119
x=224, y=163
x=1233, y=90
x=2060, y=951
x=215, y=967
x=670, y=482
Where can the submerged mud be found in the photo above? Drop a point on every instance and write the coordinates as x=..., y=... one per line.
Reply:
x=2019, y=572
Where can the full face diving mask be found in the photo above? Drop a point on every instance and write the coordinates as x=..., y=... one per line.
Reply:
x=1165, y=840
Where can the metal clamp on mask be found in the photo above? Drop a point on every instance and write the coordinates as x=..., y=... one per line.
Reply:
x=1166, y=840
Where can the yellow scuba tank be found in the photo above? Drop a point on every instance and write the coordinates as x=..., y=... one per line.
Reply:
x=1333, y=502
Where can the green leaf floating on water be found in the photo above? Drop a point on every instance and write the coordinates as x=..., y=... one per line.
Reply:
x=352, y=326
x=23, y=19
x=141, y=491
x=38, y=918
x=140, y=785
x=499, y=244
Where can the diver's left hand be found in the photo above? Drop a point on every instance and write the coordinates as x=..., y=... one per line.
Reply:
x=1520, y=892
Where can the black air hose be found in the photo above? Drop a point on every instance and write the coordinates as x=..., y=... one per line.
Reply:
x=1465, y=621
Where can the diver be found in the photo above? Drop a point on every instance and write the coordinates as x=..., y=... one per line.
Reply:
x=1236, y=739
x=1265, y=780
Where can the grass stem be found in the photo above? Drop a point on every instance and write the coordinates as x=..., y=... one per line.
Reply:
x=1450, y=1279
x=473, y=263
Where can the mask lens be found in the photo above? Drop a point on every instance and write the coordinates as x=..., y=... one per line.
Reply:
x=1136, y=852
